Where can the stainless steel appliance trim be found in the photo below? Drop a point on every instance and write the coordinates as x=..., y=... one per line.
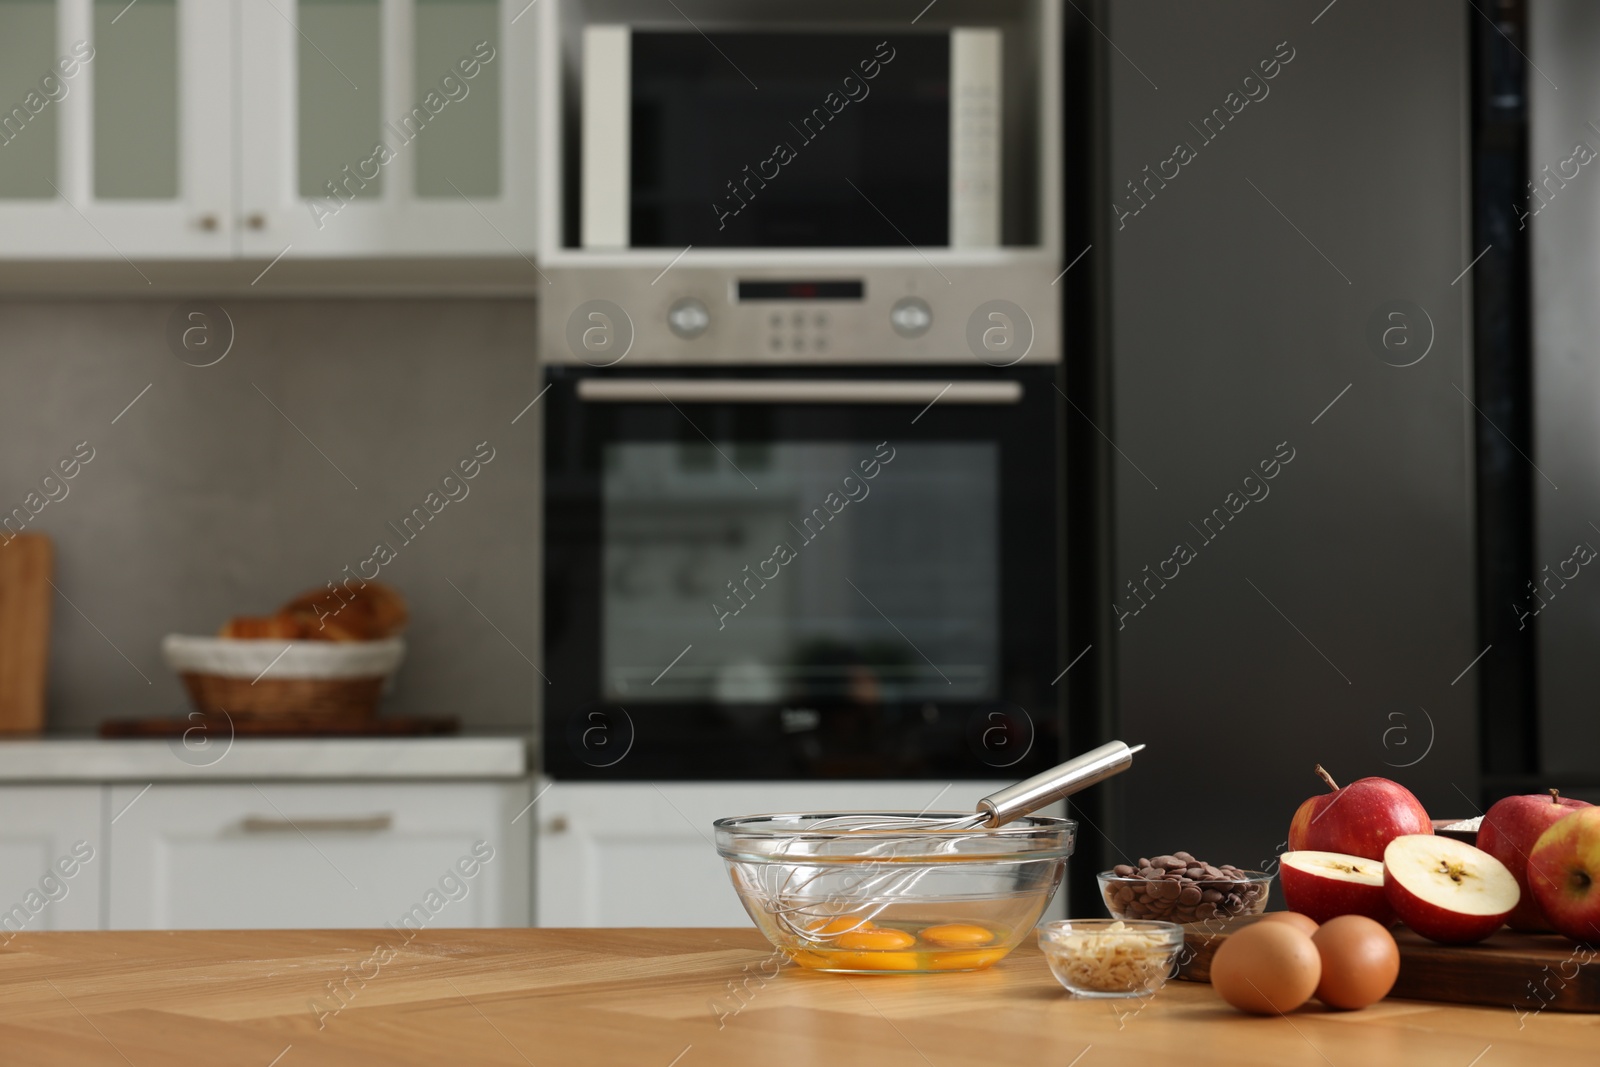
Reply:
x=791, y=391
x=778, y=333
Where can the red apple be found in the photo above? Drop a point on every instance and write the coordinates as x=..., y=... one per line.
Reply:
x=1508, y=833
x=1563, y=869
x=1358, y=820
x=1446, y=890
x=1324, y=885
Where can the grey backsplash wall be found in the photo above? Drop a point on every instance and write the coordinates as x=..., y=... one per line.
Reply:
x=203, y=502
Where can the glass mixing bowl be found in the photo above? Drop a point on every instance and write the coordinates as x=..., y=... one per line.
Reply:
x=912, y=899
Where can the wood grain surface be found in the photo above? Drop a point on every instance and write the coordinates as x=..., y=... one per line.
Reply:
x=25, y=601
x=663, y=998
x=1529, y=971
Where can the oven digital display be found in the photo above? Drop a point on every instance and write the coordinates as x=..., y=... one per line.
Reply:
x=779, y=290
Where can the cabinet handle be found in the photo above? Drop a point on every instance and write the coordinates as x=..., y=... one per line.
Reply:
x=372, y=824
x=256, y=221
x=207, y=222
x=557, y=825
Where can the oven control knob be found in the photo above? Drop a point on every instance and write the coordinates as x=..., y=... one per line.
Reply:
x=688, y=318
x=911, y=316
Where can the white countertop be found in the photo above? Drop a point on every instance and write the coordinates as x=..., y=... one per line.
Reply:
x=334, y=758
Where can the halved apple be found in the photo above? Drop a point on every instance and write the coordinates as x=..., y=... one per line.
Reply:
x=1446, y=890
x=1325, y=885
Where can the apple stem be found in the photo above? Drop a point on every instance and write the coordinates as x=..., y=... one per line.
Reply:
x=1555, y=796
x=1326, y=777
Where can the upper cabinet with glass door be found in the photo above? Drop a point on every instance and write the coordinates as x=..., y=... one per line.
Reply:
x=115, y=129
x=391, y=127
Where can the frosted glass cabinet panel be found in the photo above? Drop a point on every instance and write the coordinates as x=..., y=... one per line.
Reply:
x=136, y=120
x=398, y=127
x=30, y=88
x=340, y=48
x=115, y=129
x=464, y=157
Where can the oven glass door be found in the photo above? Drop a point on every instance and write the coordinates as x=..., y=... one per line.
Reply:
x=748, y=577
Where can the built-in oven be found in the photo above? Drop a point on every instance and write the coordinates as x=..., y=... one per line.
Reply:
x=800, y=571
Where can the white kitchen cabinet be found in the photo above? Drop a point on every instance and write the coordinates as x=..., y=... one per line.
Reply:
x=116, y=127
x=209, y=129
x=641, y=854
x=278, y=855
x=386, y=127
x=52, y=858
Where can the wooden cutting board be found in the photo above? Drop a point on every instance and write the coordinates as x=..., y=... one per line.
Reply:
x=1527, y=973
x=25, y=601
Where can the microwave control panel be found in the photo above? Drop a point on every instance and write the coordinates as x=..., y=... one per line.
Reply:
x=994, y=315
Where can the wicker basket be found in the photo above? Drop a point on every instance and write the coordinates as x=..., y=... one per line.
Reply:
x=334, y=698
x=273, y=679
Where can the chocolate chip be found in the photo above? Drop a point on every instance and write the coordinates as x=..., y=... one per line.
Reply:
x=1181, y=889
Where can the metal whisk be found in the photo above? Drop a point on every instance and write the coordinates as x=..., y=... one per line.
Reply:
x=1010, y=803
x=800, y=913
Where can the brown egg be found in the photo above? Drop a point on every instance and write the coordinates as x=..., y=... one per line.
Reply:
x=1304, y=923
x=1266, y=968
x=1360, y=961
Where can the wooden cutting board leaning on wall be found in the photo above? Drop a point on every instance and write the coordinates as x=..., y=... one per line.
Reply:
x=25, y=599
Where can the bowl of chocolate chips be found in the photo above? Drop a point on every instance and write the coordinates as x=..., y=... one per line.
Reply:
x=1181, y=889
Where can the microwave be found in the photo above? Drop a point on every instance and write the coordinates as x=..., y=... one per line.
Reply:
x=790, y=139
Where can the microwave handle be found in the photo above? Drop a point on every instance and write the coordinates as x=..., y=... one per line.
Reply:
x=793, y=391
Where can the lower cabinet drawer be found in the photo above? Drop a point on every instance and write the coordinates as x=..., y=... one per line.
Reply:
x=278, y=855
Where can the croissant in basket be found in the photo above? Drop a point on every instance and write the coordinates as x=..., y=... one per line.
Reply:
x=370, y=613
x=259, y=627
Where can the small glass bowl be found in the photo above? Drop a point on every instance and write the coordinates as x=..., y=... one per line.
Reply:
x=1110, y=957
x=1161, y=900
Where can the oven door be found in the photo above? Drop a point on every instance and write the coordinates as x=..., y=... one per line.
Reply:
x=800, y=573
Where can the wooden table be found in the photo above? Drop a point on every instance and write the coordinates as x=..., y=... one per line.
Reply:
x=662, y=998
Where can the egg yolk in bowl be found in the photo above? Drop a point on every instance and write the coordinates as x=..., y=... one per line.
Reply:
x=854, y=943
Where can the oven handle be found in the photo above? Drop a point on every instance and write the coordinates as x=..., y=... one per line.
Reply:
x=793, y=391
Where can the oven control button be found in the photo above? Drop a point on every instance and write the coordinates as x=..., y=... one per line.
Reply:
x=911, y=316
x=688, y=318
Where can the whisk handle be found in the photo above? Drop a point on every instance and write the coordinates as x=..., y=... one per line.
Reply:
x=1062, y=780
